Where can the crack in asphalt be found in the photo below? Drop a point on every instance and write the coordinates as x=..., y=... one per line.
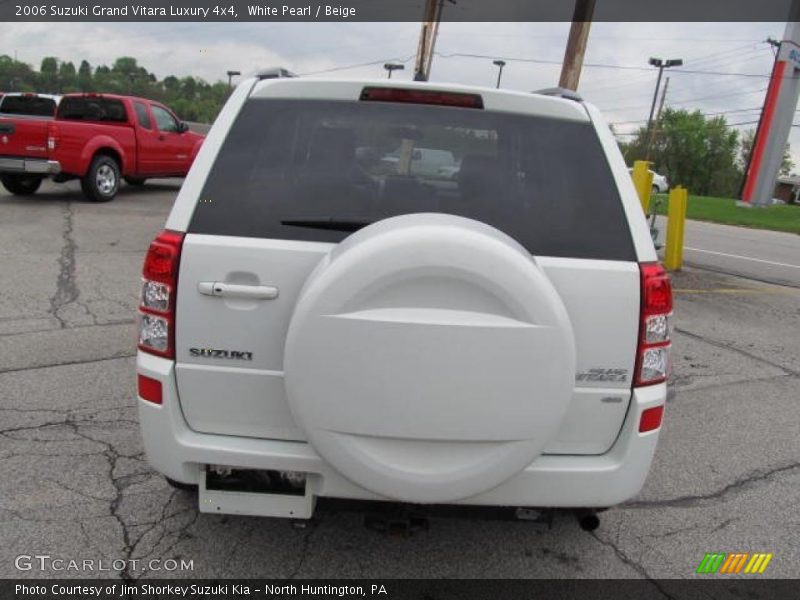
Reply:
x=726, y=346
x=67, y=363
x=71, y=327
x=683, y=385
x=66, y=290
x=112, y=455
x=134, y=545
x=304, y=550
x=700, y=499
x=180, y=533
x=632, y=564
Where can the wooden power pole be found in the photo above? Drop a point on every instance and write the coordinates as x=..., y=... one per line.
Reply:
x=661, y=102
x=576, y=44
x=427, y=38
x=653, y=127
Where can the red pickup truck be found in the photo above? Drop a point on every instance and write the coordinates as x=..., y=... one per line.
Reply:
x=99, y=139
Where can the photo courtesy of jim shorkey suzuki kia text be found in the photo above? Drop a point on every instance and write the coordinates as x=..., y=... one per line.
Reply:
x=196, y=590
x=301, y=302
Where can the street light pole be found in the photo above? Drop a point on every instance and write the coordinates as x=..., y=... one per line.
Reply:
x=231, y=75
x=661, y=64
x=392, y=67
x=501, y=64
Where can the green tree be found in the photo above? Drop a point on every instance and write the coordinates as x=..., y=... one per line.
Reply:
x=695, y=152
x=48, y=75
x=85, y=77
x=748, y=137
x=190, y=97
x=16, y=76
x=67, y=77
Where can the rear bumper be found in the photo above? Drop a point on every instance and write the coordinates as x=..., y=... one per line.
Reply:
x=29, y=165
x=550, y=481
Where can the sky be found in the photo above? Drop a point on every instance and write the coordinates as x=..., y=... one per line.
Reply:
x=734, y=58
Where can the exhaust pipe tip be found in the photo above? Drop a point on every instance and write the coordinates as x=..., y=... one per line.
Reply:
x=588, y=521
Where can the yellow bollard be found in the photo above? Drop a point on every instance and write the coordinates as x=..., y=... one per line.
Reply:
x=676, y=221
x=643, y=182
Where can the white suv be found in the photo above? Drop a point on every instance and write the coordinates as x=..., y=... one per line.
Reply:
x=317, y=322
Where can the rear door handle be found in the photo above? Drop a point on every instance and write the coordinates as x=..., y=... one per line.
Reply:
x=233, y=290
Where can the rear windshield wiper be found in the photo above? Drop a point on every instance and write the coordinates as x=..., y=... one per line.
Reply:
x=332, y=223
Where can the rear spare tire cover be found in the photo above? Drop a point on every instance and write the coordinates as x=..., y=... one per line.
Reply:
x=429, y=358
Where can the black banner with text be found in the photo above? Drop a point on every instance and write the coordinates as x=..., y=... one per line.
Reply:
x=394, y=10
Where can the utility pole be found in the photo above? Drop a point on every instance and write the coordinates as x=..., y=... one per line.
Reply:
x=576, y=44
x=661, y=64
x=427, y=38
x=425, y=41
x=661, y=102
x=651, y=134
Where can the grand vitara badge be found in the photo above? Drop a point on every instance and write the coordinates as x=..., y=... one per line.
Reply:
x=219, y=353
x=616, y=375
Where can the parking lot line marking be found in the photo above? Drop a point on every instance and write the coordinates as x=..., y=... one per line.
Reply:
x=758, y=260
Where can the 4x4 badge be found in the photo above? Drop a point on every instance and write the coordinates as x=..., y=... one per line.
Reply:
x=217, y=353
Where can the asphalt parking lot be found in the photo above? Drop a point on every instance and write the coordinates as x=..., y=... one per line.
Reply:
x=74, y=483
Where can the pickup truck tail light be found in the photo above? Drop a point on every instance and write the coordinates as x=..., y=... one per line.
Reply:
x=159, y=287
x=652, y=356
x=52, y=136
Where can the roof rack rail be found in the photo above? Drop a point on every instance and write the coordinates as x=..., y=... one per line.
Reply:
x=274, y=73
x=561, y=93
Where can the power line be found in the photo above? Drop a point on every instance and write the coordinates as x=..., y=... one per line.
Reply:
x=693, y=60
x=712, y=114
x=601, y=37
x=723, y=73
x=357, y=65
x=595, y=65
x=720, y=96
x=689, y=101
x=684, y=129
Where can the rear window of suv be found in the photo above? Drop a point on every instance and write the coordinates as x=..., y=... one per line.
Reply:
x=544, y=182
x=92, y=109
x=29, y=106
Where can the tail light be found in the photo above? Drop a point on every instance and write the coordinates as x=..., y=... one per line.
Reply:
x=52, y=136
x=652, y=356
x=159, y=287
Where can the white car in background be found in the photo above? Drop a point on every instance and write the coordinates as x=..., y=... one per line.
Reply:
x=660, y=183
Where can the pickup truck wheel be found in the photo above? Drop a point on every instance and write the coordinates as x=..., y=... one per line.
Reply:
x=135, y=180
x=21, y=185
x=101, y=182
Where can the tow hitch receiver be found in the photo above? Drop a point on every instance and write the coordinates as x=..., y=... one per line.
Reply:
x=399, y=525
